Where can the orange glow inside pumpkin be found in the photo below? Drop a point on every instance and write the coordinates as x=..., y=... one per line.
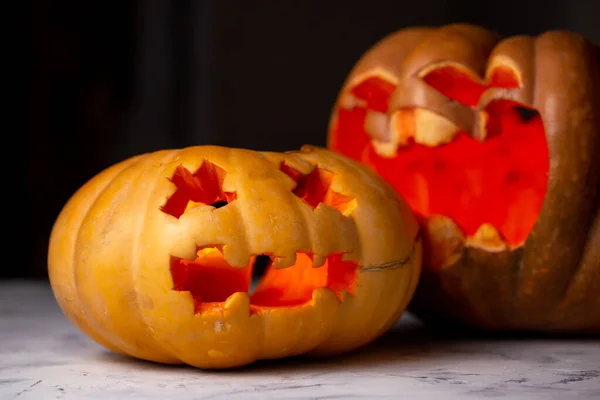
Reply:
x=501, y=181
x=315, y=188
x=457, y=85
x=211, y=280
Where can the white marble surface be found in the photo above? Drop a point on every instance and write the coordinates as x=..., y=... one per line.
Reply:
x=42, y=356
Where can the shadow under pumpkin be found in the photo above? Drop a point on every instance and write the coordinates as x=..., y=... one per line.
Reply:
x=211, y=280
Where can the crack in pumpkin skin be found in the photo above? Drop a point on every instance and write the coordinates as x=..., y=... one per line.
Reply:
x=211, y=281
x=499, y=182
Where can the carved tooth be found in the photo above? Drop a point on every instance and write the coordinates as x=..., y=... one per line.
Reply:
x=318, y=261
x=376, y=125
x=284, y=262
x=488, y=238
x=348, y=101
x=236, y=257
x=445, y=236
x=402, y=124
x=385, y=149
x=425, y=127
x=385, y=140
x=432, y=129
x=238, y=304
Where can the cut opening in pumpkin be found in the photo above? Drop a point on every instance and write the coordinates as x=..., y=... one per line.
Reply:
x=500, y=180
x=205, y=186
x=211, y=280
x=315, y=188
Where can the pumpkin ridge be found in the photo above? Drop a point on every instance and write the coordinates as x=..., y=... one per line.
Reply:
x=246, y=222
x=135, y=171
x=543, y=260
x=239, y=209
x=84, y=307
x=298, y=204
x=135, y=252
x=70, y=311
x=581, y=282
x=589, y=237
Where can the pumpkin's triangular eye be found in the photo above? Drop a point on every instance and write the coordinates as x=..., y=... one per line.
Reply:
x=205, y=186
x=315, y=188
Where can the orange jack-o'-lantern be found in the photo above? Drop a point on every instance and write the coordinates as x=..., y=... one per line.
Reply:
x=495, y=144
x=153, y=257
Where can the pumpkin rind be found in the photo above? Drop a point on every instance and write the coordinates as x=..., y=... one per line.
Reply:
x=111, y=244
x=551, y=282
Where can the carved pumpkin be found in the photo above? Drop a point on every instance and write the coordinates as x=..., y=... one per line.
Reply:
x=495, y=145
x=153, y=257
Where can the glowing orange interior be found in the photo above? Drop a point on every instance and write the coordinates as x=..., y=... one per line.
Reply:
x=501, y=181
x=456, y=84
x=211, y=280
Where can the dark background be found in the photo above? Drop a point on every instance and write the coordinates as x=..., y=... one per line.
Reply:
x=104, y=80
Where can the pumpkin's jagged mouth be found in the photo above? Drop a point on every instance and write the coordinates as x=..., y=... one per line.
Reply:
x=496, y=183
x=211, y=280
